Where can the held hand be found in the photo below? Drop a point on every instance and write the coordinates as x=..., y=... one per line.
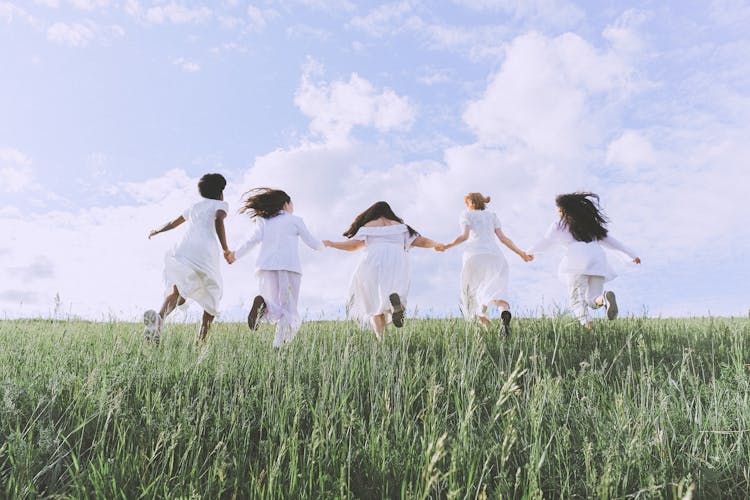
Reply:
x=229, y=256
x=637, y=260
x=326, y=243
x=527, y=257
x=153, y=233
x=439, y=247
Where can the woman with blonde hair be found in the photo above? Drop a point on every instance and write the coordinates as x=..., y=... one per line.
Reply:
x=484, y=274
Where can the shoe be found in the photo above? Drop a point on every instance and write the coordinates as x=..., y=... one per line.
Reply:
x=610, y=303
x=256, y=312
x=506, y=316
x=398, y=310
x=151, y=331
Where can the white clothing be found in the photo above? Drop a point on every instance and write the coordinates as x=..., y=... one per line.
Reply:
x=280, y=291
x=193, y=265
x=484, y=275
x=584, y=290
x=581, y=258
x=279, y=244
x=482, y=237
x=383, y=270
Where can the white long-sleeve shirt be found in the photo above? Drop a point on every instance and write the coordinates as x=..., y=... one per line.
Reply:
x=581, y=258
x=279, y=243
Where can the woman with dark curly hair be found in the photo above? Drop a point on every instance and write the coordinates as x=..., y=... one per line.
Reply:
x=582, y=231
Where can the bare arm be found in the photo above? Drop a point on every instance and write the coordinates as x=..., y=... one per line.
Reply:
x=220, y=231
x=423, y=242
x=348, y=245
x=167, y=227
x=459, y=239
x=509, y=243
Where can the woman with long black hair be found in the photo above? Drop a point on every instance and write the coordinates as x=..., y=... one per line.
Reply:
x=380, y=284
x=581, y=231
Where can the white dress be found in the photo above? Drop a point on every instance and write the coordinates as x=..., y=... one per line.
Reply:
x=383, y=270
x=193, y=265
x=484, y=275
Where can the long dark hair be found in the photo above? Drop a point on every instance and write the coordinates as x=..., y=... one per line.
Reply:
x=376, y=211
x=264, y=202
x=582, y=216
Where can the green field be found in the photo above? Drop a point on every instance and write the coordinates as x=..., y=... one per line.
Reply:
x=638, y=408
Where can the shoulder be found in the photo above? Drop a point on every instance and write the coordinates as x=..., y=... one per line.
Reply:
x=382, y=230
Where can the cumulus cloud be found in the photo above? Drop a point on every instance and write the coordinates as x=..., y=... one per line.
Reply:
x=557, y=13
x=9, y=12
x=16, y=174
x=259, y=18
x=336, y=107
x=187, y=65
x=79, y=35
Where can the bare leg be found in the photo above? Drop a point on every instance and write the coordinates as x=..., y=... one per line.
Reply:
x=501, y=304
x=378, y=323
x=170, y=302
x=484, y=320
x=205, y=325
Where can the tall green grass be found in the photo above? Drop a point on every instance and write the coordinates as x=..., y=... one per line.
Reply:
x=638, y=408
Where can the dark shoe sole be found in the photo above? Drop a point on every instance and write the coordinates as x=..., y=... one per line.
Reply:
x=398, y=310
x=256, y=312
x=506, y=316
x=611, y=301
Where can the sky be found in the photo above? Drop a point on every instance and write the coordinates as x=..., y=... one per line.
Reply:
x=111, y=110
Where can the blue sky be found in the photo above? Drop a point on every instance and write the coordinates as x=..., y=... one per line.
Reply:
x=111, y=111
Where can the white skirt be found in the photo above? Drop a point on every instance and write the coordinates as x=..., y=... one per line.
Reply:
x=484, y=278
x=383, y=270
x=193, y=283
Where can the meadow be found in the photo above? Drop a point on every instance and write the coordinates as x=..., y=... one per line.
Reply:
x=638, y=408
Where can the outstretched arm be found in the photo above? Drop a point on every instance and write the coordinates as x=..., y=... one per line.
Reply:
x=308, y=238
x=348, y=245
x=509, y=243
x=167, y=227
x=614, y=244
x=422, y=242
x=459, y=239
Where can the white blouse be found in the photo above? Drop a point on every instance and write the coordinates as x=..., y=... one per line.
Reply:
x=581, y=258
x=395, y=234
x=482, y=237
x=279, y=244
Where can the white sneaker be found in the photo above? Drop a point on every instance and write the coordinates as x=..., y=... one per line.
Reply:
x=610, y=303
x=151, y=331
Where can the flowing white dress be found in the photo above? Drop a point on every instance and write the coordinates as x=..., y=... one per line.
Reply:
x=193, y=265
x=383, y=270
x=484, y=275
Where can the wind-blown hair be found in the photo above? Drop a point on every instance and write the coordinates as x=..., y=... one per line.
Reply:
x=582, y=216
x=376, y=211
x=478, y=200
x=264, y=202
x=211, y=186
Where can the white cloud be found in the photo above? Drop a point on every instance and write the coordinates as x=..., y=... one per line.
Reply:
x=336, y=107
x=48, y=3
x=632, y=151
x=542, y=95
x=9, y=11
x=89, y=4
x=16, y=175
x=623, y=32
x=259, y=18
x=558, y=13
x=172, y=12
x=73, y=35
x=187, y=65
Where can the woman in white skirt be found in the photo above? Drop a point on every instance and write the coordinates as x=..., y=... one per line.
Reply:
x=278, y=267
x=191, y=268
x=484, y=274
x=380, y=284
x=584, y=268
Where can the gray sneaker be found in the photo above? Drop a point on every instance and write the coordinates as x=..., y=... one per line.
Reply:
x=610, y=303
x=151, y=329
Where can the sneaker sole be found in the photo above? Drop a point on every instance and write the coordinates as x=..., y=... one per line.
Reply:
x=151, y=328
x=611, y=305
x=506, y=316
x=256, y=312
x=398, y=310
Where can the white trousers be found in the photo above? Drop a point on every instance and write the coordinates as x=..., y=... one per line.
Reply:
x=584, y=289
x=280, y=291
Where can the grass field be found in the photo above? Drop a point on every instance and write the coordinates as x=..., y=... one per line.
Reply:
x=639, y=408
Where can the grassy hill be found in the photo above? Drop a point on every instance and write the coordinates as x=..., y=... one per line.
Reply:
x=441, y=408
